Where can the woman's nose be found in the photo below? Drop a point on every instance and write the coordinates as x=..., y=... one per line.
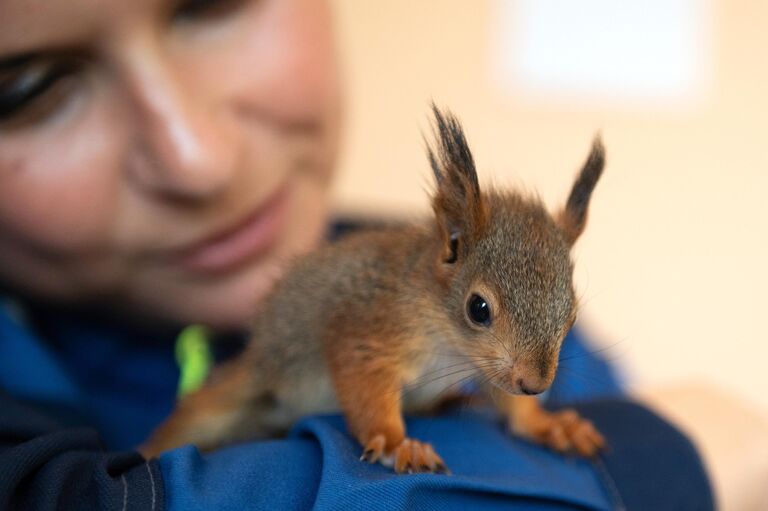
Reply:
x=184, y=145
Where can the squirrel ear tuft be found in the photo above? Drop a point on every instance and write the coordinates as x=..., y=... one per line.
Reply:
x=457, y=201
x=573, y=218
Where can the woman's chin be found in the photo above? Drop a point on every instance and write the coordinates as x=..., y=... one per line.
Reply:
x=223, y=302
x=231, y=303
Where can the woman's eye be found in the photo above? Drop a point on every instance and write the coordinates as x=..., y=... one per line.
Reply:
x=192, y=10
x=32, y=88
x=478, y=310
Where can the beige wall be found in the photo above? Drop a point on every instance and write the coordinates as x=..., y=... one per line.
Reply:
x=673, y=267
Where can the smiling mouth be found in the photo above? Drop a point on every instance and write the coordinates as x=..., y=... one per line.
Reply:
x=240, y=243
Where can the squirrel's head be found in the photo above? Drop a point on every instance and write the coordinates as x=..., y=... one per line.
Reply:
x=504, y=264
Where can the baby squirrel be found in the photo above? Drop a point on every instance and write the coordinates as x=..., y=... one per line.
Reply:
x=382, y=322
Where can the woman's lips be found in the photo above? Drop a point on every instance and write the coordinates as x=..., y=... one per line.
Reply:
x=234, y=246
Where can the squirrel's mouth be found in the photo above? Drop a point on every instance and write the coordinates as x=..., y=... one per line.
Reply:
x=503, y=384
x=500, y=377
x=519, y=380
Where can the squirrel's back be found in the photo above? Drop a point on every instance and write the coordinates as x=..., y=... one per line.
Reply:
x=360, y=281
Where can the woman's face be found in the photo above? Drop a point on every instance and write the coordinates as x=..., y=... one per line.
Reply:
x=161, y=158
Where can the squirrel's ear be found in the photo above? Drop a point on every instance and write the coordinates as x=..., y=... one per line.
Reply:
x=574, y=217
x=458, y=204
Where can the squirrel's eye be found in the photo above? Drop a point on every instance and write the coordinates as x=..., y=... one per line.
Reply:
x=478, y=310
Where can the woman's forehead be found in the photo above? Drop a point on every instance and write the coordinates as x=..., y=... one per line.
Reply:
x=38, y=25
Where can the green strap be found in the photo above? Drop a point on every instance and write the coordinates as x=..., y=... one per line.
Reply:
x=193, y=355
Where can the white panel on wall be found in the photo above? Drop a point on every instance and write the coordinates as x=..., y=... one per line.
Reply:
x=606, y=50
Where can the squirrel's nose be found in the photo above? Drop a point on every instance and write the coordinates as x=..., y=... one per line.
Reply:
x=532, y=377
x=530, y=388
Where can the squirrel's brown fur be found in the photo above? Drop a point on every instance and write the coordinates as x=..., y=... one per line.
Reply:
x=379, y=323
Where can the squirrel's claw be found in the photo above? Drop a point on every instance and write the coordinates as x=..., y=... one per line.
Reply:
x=411, y=456
x=580, y=433
x=368, y=456
x=586, y=440
x=374, y=449
x=414, y=456
x=440, y=468
x=564, y=431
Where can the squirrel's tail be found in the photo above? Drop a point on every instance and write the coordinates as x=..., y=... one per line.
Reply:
x=226, y=409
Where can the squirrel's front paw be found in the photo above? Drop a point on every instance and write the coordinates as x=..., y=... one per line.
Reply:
x=563, y=431
x=410, y=456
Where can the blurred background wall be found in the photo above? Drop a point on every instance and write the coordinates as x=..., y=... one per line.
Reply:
x=673, y=267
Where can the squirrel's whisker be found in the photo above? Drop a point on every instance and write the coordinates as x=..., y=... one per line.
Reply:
x=595, y=351
x=421, y=381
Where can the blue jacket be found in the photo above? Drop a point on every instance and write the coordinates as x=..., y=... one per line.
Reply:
x=78, y=393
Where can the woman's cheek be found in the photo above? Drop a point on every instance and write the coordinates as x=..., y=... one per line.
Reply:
x=60, y=191
x=280, y=63
x=304, y=71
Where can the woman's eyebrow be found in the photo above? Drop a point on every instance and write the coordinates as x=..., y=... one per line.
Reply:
x=36, y=26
